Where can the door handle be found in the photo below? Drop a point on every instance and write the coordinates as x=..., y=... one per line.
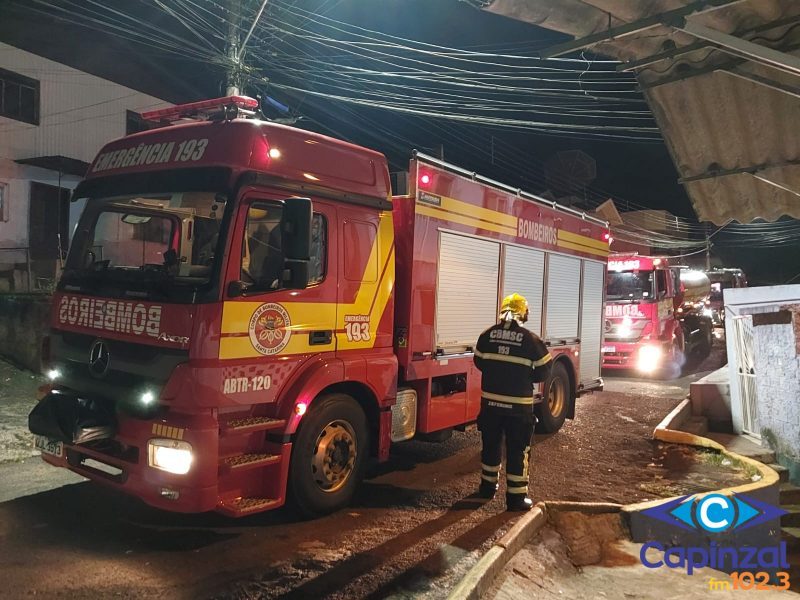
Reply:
x=320, y=338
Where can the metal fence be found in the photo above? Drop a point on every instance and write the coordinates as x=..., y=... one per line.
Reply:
x=745, y=358
x=19, y=274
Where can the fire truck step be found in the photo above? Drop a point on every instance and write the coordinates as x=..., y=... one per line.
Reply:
x=241, y=462
x=250, y=425
x=238, y=507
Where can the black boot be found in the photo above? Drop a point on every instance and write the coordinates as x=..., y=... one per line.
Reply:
x=487, y=490
x=518, y=502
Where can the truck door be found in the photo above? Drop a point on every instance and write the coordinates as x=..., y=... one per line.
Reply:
x=364, y=310
x=263, y=320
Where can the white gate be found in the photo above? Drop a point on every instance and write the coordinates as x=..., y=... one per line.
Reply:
x=746, y=374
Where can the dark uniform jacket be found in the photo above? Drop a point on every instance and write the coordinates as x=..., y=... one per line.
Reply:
x=511, y=359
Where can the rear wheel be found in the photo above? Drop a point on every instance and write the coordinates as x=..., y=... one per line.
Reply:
x=328, y=455
x=552, y=411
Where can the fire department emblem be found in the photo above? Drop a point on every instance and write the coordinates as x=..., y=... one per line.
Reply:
x=269, y=328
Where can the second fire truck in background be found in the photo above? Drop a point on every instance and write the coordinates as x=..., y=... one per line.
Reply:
x=656, y=314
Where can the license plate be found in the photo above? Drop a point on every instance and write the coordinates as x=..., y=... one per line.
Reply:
x=48, y=446
x=609, y=349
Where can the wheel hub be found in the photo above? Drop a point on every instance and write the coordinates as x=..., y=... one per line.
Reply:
x=556, y=397
x=334, y=456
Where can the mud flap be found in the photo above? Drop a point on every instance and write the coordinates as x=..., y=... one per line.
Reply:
x=72, y=420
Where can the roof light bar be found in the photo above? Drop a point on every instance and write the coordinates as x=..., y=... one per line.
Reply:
x=184, y=110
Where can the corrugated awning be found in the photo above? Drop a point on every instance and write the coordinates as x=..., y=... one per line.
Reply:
x=722, y=78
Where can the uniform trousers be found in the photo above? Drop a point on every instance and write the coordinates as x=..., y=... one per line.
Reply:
x=517, y=428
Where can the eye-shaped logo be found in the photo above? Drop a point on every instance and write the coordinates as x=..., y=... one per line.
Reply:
x=715, y=513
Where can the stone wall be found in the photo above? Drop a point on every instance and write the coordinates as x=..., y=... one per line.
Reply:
x=777, y=367
x=23, y=323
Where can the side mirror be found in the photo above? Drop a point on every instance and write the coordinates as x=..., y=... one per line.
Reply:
x=295, y=274
x=296, y=229
x=236, y=288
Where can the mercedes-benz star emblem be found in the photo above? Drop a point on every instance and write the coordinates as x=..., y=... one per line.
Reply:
x=99, y=359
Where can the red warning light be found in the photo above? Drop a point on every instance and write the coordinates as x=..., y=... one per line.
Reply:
x=424, y=179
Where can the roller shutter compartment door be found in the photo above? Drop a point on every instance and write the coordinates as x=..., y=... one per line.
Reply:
x=592, y=319
x=523, y=273
x=563, y=297
x=466, y=299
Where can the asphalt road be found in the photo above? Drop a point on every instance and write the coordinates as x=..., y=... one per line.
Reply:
x=412, y=531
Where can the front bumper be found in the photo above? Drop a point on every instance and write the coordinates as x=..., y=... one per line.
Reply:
x=121, y=461
x=619, y=355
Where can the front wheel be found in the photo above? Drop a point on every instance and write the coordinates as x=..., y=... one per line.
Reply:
x=328, y=456
x=552, y=411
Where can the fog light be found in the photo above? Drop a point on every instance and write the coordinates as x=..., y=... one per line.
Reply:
x=649, y=358
x=170, y=455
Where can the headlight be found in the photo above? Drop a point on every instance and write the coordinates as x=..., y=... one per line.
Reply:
x=54, y=374
x=170, y=455
x=649, y=358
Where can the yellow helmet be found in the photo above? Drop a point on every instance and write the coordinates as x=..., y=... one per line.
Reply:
x=515, y=304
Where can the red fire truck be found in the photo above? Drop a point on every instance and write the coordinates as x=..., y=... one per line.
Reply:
x=247, y=315
x=655, y=314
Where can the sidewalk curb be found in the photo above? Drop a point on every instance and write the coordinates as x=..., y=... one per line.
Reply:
x=664, y=432
x=478, y=579
x=481, y=576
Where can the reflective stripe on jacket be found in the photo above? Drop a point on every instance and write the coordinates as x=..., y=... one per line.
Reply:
x=511, y=359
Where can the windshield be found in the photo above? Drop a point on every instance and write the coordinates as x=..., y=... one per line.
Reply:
x=138, y=241
x=630, y=285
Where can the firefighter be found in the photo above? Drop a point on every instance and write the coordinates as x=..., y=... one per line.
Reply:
x=511, y=359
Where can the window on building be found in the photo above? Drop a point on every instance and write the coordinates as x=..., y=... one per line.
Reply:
x=3, y=202
x=19, y=97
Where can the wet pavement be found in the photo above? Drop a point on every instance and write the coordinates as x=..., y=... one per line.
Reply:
x=412, y=531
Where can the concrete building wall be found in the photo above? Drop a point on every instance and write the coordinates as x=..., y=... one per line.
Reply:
x=24, y=322
x=18, y=178
x=775, y=313
x=778, y=377
x=78, y=112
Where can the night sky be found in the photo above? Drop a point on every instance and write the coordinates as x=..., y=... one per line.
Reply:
x=640, y=173
x=634, y=174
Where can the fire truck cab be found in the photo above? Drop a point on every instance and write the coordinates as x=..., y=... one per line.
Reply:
x=247, y=315
x=655, y=314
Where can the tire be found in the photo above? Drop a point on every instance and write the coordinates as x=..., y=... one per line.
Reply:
x=704, y=347
x=329, y=455
x=552, y=411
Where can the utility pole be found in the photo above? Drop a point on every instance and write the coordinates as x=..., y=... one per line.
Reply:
x=708, y=250
x=233, y=73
